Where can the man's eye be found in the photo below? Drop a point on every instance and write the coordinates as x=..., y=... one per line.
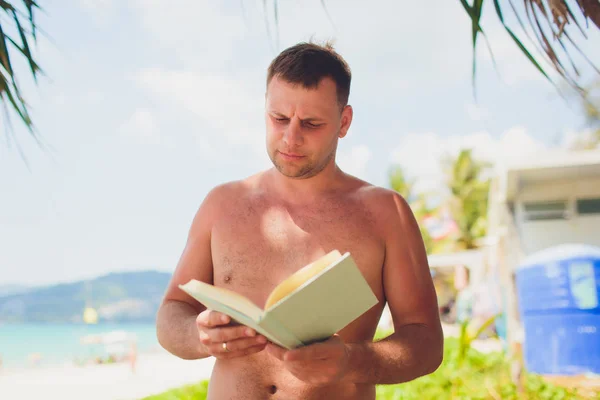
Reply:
x=312, y=125
x=281, y=119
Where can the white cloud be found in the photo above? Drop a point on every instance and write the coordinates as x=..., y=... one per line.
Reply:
x=199, y=33
x=579, y=139
x=421, y=154
x=231, y=115
x=142, y=126
x=476, y=112
x=206, y=148
x=97, y=5
x=59, y=98
x=354, y=160
x=101, y=10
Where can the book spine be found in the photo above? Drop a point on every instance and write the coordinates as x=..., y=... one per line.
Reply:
x=285, y=338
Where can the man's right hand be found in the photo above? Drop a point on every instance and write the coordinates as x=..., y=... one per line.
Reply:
x=225, y=341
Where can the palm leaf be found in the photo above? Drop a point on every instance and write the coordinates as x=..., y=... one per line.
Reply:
x=474, y=12
x=518, y=42
x=328, y=15
x=10, y=92
x=486, y=324
x=549, y=21
x=25, y=49
x=591, y=10
x=554, y=16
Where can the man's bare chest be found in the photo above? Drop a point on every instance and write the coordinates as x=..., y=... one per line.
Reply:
x=254, y=249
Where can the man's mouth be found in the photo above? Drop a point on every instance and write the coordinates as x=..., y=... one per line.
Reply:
x=291, y=156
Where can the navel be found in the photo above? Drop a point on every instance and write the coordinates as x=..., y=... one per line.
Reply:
x=272, y=389
x=227, y=279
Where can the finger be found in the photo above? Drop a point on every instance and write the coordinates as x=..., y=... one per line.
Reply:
x=210, y=318
x=332, y=347
x=219, y=335
x=238, y=345
x=241, y=353
x=317, y=351
x=276, y=351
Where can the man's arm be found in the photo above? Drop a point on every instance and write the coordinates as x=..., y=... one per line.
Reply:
x=176, y=327
x=416, y=347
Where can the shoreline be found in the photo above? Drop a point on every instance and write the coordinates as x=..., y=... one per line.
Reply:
x=155, y=372
x=51, y=363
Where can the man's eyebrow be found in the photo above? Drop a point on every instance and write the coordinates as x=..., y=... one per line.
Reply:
x=278, y=114
x=312, y=119
x=309, y=119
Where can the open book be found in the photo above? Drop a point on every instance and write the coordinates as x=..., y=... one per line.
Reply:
x=309, y=306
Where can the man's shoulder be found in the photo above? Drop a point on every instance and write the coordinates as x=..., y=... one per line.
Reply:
x=223, y=190
x=380, y=198
x=233, y=190
x=388, y=207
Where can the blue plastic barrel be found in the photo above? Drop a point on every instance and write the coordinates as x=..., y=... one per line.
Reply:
x=558, y=291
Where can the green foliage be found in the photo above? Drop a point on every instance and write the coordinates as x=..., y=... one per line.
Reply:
x=479, y=376
x=401, y=184
x=417, y=202
x=190, y=392
x=382, y=334
x=465, y=374
x=468, y=202
x=548, y=25
x=468, y=374
x=469, y=198
x=20, y=19
x=590, y=107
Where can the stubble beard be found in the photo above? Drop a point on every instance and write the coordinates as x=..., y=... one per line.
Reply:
x=304, y=171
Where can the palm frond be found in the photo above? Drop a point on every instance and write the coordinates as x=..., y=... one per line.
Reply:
x=474, y=12
x=26, y=29
x=549, y=29
x=546, y=24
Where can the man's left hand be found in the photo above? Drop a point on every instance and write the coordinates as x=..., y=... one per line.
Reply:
x=318, y=364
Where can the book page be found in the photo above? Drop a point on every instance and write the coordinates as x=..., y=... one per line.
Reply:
x=327, y=303
x=240, y=309
x=300, y=277
x=223, y=300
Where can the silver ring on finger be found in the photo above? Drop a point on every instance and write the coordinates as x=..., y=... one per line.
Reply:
x=224, y=346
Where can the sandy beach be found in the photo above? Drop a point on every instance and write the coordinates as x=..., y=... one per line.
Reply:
x=155, y=373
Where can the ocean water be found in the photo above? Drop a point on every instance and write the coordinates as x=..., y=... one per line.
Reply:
x=61, y=343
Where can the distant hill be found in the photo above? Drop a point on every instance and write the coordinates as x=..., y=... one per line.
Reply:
x=118, y=297
x=6, y=290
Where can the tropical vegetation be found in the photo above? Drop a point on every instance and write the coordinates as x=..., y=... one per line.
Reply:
x=465, y=373
x=463, y=210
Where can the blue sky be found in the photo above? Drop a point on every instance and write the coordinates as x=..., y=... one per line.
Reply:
x=148, y=104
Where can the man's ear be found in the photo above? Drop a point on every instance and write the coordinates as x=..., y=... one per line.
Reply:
x=346, y=120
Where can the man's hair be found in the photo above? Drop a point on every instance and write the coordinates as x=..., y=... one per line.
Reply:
x=308, y=63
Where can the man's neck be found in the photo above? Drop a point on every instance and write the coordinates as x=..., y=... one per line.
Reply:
x=306, y=190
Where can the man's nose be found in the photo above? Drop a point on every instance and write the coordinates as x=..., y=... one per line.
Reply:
x=292, y=135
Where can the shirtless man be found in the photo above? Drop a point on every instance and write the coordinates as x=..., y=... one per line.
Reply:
x=250, y=234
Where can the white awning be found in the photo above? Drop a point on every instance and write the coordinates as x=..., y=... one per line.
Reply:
x=469, y=258
x=559, y=165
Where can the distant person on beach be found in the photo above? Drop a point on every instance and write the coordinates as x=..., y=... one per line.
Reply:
x=250, y=234
x=133, y=355
x=464, y=298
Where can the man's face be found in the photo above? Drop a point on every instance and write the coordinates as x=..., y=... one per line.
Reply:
x=303, y=126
